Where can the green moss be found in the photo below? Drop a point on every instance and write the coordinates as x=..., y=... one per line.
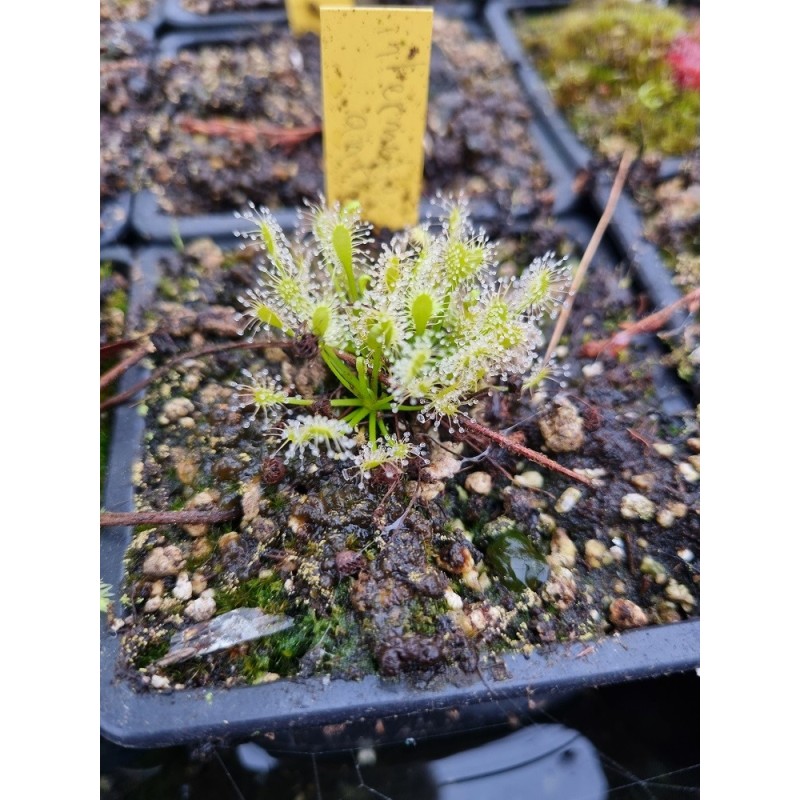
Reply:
x=336, y=633
x=118, y=299
x=106, y=270
x=605, y=64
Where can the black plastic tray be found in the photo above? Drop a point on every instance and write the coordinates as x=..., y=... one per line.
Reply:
x=178, y=18
x=626, y=226
x=319, y=715
x=153, y=225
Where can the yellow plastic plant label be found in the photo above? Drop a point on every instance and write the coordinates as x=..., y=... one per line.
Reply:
x=304, y=14
x=375, y=67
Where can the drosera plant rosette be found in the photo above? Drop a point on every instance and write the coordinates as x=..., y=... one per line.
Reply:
x=414, y=335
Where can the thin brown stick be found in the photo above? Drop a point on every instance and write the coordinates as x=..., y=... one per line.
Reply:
x=649, y=324
x=112, y=348
x=588, y=255
x=248, y=132
x=129, y=361
x=525, y=452
x=199, y=353
x=108, y=518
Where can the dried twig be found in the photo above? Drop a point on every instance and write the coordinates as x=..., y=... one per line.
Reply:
x=525, y=452
x=591, y=249
x=108, y=377
x=108, y=518
x=252, y=132
x=199, y=353
x=649, y=324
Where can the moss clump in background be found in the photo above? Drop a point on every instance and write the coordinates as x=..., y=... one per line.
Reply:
x=607, y=65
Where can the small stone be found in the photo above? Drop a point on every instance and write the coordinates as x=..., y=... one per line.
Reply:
x=679, y=594
x=637, y=506
x=443, y=465
x=251, y=497
x=650, y=566
x=479, y=483
x=157, y=588
x=153, y=604
x=199, y=583
x=665, y=518
x=664, y=449
x=562, y=427
x=183, y=587
x=186, y=422
x=176, y=408
x=163, y=562
x=201, y=549
x=429, y=491
x=644, y=482
x=568, y=500
x=159, y=682
x=547, y=524
x=625, y=614
x=686, y=554
x=693, y=443
x=695, y=462
x=529, y=480
x=560, y=589
x=596, y=554
x=678, y=510
x=688, y=472
x=619, y=587
x=563, y=552
x=202, y=608
x=667, y=612
x=186, y=465
x=264, y=529
x=616, y=552
x=472, y=580
x=228, y=541
x=593, y=370
x=453, y=600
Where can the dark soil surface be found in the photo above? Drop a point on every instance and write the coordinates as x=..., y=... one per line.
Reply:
x=477, y=138
x=125, y=10
x=473, y=554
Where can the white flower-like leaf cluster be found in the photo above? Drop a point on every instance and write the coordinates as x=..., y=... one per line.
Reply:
x=422, y=327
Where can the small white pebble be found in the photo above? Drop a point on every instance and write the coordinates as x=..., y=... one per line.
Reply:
x=664, y=449
x=686, y=554
x=665, y=518
x=688, y=472
x=593, y=370
x=529, y=480
x=159, y=682
x=637, y=506
x=453, y=600
x=568, y=500
x=479, y=483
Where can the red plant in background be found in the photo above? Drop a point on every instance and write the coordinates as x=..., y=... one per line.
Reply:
x=684, y=58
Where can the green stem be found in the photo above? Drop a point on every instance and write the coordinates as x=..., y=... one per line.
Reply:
x=376, y=370
x=384, y=429
x=346, y=402
x=354, y=417
x=373, y=436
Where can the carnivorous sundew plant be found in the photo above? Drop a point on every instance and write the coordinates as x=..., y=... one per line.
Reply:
x=413, y=333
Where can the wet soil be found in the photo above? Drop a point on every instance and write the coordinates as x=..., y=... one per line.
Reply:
x=476, y=141
x=423, y=578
